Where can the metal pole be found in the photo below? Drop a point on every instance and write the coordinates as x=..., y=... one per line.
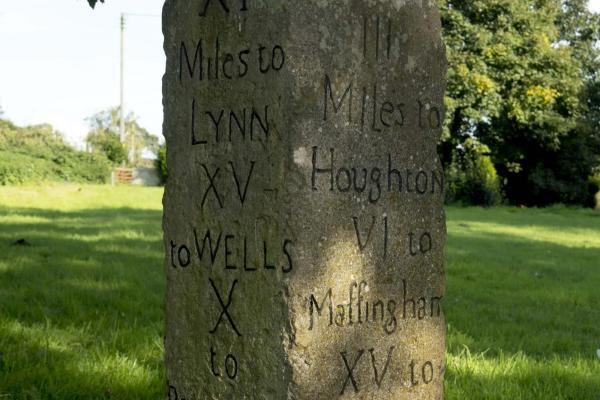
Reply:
x=122, y=107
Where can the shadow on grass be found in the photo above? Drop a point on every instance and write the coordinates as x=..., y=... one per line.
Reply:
x=40, y=370
x=87, y=294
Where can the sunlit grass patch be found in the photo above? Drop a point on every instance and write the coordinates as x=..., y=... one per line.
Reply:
x=523, y=303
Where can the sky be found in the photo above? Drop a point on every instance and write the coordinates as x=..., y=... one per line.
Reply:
x=59, y=62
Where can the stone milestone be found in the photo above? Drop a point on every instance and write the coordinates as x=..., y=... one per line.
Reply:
x=303, y=222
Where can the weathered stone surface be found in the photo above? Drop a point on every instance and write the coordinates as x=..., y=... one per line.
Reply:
x=303, y=214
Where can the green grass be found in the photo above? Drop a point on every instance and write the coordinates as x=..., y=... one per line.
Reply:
x=523, y=304
x=81, y=309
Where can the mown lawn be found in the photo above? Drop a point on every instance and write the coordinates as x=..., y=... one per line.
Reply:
x=81, y=305
x=523, y=304
x=81, y=308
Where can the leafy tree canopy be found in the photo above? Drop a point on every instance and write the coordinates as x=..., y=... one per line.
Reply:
x=519, y=81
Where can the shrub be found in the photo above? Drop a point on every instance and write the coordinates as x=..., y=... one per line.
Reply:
x=39, y=153
x=557, y=175
x=472, y=177
x=18, y=168
x=161, y=163
x=594, y=191
x=109, y=144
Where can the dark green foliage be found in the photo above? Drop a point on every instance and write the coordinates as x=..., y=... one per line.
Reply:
x=39, y=153
x=161, y=163
x=472, y=178
x=93, y=2
x=556, y=175
x=595, y=180
x=521, y=81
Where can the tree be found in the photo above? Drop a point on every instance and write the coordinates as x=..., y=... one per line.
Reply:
x=515, y=83
x=109, y=143
x=104, y=136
